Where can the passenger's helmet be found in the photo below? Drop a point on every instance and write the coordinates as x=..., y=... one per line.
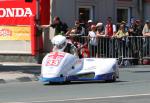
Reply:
x=59, y=43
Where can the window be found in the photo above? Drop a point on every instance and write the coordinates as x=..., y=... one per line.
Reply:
x=85, y=13
x=123, y=14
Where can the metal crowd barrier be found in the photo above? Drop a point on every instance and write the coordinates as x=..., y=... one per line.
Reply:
x=129, y=48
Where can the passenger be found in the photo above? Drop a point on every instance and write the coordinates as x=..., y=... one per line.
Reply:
x=60, y=44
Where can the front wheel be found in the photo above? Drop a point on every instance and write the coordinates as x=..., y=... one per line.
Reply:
x=114, y=78
x=67, y=82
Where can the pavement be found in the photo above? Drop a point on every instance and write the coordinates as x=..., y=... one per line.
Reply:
x=19, y=72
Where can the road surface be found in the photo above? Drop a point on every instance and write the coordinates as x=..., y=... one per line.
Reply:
x=132, y=87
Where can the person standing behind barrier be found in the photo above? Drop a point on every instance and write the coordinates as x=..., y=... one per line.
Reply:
x=93, y=41
x=101, y=39
x=120, y=35
x=59, y=26
x=88, y=27
x=110, y=30
x=138, y=27
x=135, y=31
x=77, y=31
x=100, y=29
x=146, y=40
x=121, y=32
x=146, y=29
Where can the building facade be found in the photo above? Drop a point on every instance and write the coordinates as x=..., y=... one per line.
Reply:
x=70, y=10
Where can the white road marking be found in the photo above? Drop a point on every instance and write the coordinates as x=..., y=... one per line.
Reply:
x=79, y=99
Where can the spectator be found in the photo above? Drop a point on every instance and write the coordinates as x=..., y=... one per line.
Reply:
x=125, y=25
x=135, y=43
x=132, y=22
x=120, y=35
x=88, y=26
x=146, y=29
x=60, y=27
x=101, y=39
x=146, y=40
x=76, y=32
x=138, y=27
x=93, y=41
x=110, y=30
x=121, y=32
x=100, y=29
x=77, y=29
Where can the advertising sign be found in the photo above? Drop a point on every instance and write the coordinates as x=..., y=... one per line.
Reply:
x=16, y=12
x=15, y=33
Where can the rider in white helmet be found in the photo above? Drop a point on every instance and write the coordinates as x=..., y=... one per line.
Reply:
x=60, y=45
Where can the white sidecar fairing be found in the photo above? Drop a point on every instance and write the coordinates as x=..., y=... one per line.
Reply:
x=61, y=67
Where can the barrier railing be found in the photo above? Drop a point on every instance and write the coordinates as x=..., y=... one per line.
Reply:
x=130, y=48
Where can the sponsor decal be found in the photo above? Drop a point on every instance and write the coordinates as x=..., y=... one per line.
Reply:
x=54, y=58
x=15, y=33
x=5, y=32
x=15, y=12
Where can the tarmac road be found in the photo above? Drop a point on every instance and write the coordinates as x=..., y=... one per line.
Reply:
x=132, y=87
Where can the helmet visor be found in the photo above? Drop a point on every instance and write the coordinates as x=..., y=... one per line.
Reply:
x=60, y=46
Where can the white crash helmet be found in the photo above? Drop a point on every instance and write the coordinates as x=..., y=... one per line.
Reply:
x=59, y=43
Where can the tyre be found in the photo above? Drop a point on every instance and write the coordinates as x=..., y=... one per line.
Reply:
x=114, y=78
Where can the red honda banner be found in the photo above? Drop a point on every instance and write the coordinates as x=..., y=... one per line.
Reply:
x=16, y=12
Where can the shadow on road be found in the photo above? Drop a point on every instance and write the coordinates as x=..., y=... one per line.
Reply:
x=24, y=69
x=80, y=83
